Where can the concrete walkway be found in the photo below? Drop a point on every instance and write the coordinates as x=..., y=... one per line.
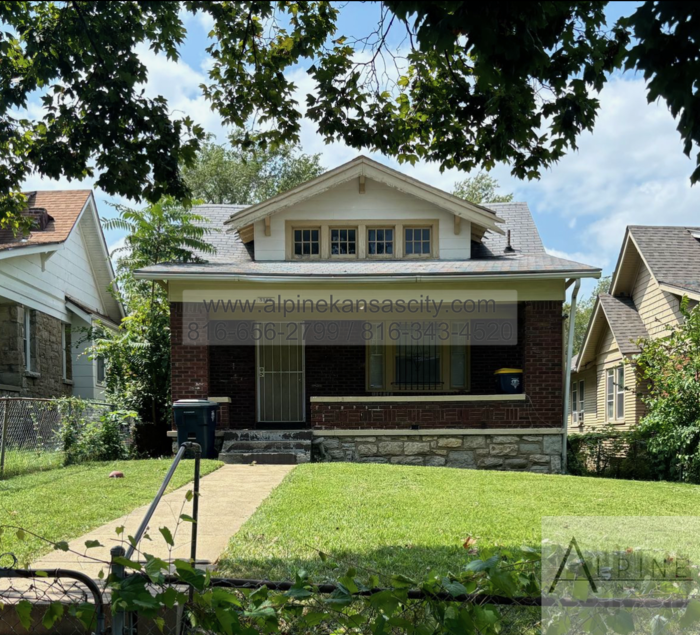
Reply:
x=228, y=498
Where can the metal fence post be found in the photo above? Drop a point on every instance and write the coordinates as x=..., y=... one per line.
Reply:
x=3, y=433
x=119, y=618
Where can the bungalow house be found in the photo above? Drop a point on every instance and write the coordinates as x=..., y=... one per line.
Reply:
x=656, y=267
x=54, y=283
x=365, y=314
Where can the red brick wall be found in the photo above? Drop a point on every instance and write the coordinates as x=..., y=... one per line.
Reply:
x=446, y=414
x=230, y=371
x=539, y=353
x=189, y=363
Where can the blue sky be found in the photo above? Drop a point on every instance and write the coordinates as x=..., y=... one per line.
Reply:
x=630, y=170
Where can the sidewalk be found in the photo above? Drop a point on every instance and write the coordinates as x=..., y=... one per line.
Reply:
x=228, y=498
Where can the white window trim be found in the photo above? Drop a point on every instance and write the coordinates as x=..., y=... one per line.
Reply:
x=28, y=340
x=97, y=374
x=617, y=390
x=64, y=353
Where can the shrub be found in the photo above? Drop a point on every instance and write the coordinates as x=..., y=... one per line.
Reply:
x=86, y=437
x=611, y=453
x=670, y=366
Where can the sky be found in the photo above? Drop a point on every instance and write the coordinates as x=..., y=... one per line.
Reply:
x=630, y=170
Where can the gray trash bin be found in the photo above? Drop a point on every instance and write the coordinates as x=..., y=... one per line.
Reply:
x=195, y=420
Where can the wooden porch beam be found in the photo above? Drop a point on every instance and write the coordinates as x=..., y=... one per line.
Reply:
x=458, y=224
x=268, y=228
x=362, y=183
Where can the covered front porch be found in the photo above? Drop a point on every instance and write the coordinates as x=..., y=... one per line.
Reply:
x=334, y=393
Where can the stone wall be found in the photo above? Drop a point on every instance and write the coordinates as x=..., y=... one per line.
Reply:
x=46, y=378
x=534, y=452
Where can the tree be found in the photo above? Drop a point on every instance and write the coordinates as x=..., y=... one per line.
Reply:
x=236, y=176
x=480, y=189
x=463, y=84
x=584, y=312
x=669, y=368
x=138, y=354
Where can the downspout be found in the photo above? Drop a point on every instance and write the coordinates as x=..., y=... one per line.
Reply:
x=567, y=374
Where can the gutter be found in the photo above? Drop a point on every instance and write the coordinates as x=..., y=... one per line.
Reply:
x=349, y=279
x=567, y=375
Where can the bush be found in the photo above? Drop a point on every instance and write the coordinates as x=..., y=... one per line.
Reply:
x=611, y=453
x=670, y=368
x=88, y=438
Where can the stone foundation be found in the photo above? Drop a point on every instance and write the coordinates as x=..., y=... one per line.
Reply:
x=532, y=452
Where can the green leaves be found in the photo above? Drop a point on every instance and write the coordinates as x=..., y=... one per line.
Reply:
x=167, y=536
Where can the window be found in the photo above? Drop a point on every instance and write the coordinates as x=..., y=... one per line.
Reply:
x=574, y=402
x=29, y=343
x=581, y=408
x=66, y=352
x=620, y=393
x=402, y=362
x=100, y=367
x=343, y=242
x=380, y=242
x=417, y=241
x=615, y=393
x=307, y=243
x=610, y=394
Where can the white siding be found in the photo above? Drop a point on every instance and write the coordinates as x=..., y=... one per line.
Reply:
x=84, y=371
x=379, y=202
x=67, y=272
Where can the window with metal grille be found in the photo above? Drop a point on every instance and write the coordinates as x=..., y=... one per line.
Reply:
x=417, y=361
x=343, y=242
x=380, y=242
x=307, y=243
x=417, y=241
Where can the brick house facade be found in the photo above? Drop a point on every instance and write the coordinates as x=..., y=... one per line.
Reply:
x=365, y=231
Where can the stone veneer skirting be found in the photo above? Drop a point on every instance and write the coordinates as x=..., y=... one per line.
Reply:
x=533, y=451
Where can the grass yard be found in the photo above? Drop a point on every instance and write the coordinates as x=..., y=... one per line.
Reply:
x=64, y=503
x=400, y=519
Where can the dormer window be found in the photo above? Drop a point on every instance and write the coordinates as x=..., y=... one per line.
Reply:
x=344, y=241
x=307, y=242
x=417, y=242
x=380, y=241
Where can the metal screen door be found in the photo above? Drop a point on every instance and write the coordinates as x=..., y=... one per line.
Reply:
x=280, y=366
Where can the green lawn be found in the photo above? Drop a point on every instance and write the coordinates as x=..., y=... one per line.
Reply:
x=400, y=519
x=64, y=503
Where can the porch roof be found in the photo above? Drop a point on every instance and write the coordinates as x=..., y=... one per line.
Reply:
x=508, y=265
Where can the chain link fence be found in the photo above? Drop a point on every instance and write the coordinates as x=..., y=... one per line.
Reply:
x=30, y=438
x=41, y=602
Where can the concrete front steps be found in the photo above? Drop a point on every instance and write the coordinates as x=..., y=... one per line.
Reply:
x=266, y=447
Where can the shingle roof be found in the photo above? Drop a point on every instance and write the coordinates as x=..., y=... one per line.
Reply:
x=524, y=237
x=672, y=253
x=229, y=247
x=235, y=258
x=624, y=321
x=523, y=264
x=63, y=205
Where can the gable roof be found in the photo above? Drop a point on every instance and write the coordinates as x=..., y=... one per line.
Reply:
x=64, y=206
x=621, y=316
x=672, y=255
x=363, y=166
x=235, y=259
x=70, y=210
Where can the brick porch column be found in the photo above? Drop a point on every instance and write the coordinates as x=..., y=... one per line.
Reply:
x=543, y=354
x=189, y=362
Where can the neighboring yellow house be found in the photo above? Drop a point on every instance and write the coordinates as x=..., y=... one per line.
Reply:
x=657, y=266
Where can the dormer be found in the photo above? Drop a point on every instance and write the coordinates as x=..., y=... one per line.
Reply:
x=363, y=210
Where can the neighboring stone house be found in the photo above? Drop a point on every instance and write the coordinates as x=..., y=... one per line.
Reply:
x=657, y=266
x=370, y=385
x=54, y=284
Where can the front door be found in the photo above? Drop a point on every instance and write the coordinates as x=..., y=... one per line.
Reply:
x=280, y=365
